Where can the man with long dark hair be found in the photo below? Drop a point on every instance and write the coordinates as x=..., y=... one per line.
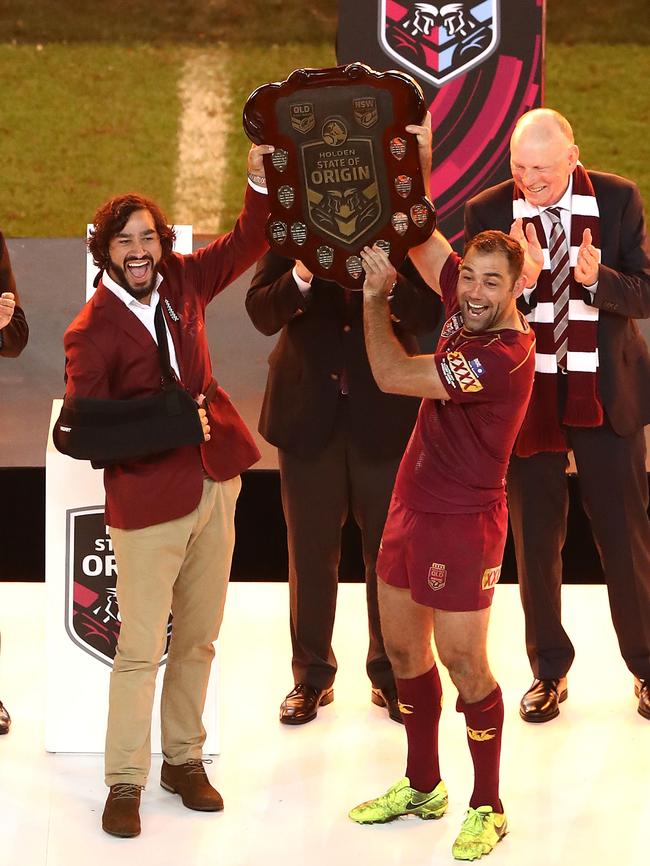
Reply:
x=170, y=515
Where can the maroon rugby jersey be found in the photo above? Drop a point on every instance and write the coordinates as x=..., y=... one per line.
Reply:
x=457, y=456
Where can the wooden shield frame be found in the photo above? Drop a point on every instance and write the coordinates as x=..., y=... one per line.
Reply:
x=344, y=174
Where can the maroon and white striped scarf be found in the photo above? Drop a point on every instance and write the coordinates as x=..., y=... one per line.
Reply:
x=541, y=430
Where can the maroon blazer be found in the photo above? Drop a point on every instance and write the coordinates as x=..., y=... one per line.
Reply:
x=111, y=355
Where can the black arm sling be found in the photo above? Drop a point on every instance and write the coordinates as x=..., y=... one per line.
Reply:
x=113, y=431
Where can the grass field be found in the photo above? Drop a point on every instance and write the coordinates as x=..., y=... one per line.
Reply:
x=85, y=112
x=80, y=123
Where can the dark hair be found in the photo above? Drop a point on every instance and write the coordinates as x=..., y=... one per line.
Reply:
x=498, y=242
x=111, y=218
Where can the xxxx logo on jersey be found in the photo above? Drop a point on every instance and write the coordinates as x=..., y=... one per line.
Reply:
x=464, y=375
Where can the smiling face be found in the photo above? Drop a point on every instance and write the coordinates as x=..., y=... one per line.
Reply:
x=487, y=292
x=542, y=158
x=135, y=253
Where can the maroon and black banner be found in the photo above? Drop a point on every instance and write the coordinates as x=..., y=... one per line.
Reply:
x=480, y=65
x=92, y=616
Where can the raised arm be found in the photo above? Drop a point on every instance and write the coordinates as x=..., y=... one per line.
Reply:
x=274, y=296
x=430, y=256
x=394, y=370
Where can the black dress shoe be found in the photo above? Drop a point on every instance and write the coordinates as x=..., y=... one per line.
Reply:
x=5, y=719
x=301, y=704
x=388, y=699
x=541, y=701
x=642, y=691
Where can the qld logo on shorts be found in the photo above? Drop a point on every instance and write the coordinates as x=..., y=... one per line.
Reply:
x=439, y=41
x=92, y=617
x=490, y=577
x=437, y=575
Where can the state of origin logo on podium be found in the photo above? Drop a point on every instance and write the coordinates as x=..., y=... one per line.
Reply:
x=92, y=617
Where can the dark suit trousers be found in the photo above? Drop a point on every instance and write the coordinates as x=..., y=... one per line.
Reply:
x=317, y=494
x=614, y=490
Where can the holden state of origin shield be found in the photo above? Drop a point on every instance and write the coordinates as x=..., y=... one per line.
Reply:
x=344, y=173
x=91, y=611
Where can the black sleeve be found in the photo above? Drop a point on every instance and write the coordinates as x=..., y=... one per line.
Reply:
x=414, y=305
x=274, y=298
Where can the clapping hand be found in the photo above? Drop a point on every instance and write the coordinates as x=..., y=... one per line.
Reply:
x=533, y=253
x=7, y=307
x=586, y=269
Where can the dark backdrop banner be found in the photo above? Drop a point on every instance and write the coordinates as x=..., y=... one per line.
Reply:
x=480, y=65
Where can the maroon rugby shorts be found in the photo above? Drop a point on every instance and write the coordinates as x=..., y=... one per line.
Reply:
x=448, y=561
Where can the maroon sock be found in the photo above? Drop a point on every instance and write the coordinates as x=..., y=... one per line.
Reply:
x=484, y=721
x=420, y=701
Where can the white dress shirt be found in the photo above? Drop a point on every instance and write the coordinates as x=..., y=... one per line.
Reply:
x=144, y=312
x=564, y=204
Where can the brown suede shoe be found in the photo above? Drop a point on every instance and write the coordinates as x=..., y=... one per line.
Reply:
x=121, y=813
x=191, y=782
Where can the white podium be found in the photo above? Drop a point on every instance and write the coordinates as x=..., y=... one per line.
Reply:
x=82, y=617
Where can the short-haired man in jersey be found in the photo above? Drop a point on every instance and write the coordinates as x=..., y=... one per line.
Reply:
x=445, y=533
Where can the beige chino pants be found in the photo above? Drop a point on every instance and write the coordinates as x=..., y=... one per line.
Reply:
x=182, y=565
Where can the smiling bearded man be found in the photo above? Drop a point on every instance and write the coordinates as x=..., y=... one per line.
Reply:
x=170, y=514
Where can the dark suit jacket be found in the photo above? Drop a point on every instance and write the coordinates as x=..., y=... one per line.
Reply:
x=111, y=355
x=322, y=335
x=13, y=337
x=623, y=293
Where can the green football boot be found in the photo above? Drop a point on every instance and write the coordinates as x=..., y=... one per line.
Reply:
x=400, y=800
x=481, y=830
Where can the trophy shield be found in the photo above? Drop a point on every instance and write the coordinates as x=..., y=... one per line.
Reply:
x=345, y=174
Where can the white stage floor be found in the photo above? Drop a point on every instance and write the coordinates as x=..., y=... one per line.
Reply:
x=576, y=790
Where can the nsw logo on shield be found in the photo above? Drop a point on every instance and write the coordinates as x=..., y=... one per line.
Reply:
x=438, y=41
x=92, y=617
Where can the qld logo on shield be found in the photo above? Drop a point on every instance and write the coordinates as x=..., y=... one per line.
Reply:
x=438, y=41
x=92, y=617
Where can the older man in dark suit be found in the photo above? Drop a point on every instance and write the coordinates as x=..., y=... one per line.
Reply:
x=339, y=440
x=591, y=395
